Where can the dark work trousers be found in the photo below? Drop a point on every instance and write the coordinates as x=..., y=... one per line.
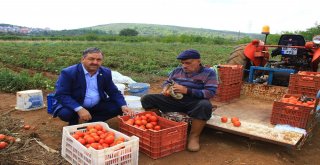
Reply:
x=193, y=107
x=100, y=112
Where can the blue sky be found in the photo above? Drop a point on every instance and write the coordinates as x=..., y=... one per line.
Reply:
x=234, y=15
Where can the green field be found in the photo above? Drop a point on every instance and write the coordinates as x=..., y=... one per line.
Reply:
x=24, y=62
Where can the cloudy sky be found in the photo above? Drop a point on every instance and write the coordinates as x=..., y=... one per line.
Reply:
x=234, y=15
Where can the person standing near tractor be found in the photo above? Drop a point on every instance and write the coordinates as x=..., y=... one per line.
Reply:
x=86, y=92
x=188, y=89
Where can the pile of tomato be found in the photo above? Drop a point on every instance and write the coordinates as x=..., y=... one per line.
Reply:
x=5, y=140
x=145, y=121
x=97, y=137
x=297, y=101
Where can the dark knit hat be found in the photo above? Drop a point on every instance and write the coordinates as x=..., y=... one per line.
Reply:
x=189, y=54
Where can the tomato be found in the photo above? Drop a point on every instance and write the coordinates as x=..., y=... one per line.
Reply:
x=233, y=119
x=79, y=133
x=130, y=121
x=154, y=123
x=101, y=141
x=143, y=117
x=82, y=141
x=121, y=139
x=11, y=139
x=149, y=126
x=90, y=140
x=105, y=145
x=143, y=122
x=90, y=127
x=148, y=115
x=76, y=136
x=157, y=127
x=26, y=127
x=98, y=127
x=109, y=139
x=3, y=145
x=153, y=118
x=96, y=138
x=143, y=127
x=95, y=145
x=224, y=119
x=2, y=137
x=237, y=124
x=137, y=122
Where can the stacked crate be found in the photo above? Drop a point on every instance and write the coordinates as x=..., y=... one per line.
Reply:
x=229, y=87
x=306, y=83
x=290, y=110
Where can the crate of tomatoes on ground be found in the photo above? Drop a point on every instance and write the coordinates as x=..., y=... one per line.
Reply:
x=95, y=143
x=158, y=136
x=296, y=110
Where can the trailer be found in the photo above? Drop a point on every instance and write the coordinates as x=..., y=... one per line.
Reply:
x=254, y=110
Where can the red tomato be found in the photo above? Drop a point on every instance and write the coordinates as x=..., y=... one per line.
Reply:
x=105, y=145
x=237, y=124
x=153, y=118
x=157, y=127
x=143, y=122
x=233, y=119
x=82, y=141
x=76, y=136
x=224, y=119
x=137, y=122
x=154, y=123
x=95, y=145
x=90, y=140
x=96, y=138
x=149, y=126
x=2, y=137
x=79, y=133
x=143, y=117
x=109, y=139
x=143, y=127
x=98, y=127
x=11, y=139
x=3, y=145
x=148, y=115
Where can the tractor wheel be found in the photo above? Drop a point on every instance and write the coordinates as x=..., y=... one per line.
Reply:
x=237, y=57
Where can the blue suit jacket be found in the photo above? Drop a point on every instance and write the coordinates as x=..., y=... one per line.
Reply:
x=71, y=88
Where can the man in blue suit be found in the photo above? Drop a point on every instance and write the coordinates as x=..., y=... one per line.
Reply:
x=85, y=92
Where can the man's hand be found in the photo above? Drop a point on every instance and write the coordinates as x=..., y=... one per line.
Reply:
x=179, y=89
x=84, y=115
x=127, y=111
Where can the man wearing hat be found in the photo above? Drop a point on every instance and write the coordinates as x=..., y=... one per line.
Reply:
x=196, y=85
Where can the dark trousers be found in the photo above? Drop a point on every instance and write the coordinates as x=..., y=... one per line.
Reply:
x=100, y=112
x=193, y=107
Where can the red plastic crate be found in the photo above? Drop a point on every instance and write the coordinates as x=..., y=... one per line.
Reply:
x=170, y=139
x=230, y=74
x=228, y=92
x=292, y=114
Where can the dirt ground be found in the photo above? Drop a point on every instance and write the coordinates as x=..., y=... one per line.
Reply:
x=217, y=148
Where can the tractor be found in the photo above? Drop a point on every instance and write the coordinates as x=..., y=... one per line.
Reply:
x=296, y=55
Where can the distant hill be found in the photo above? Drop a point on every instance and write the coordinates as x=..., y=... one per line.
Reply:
x=115, y=28
x=164, y=30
